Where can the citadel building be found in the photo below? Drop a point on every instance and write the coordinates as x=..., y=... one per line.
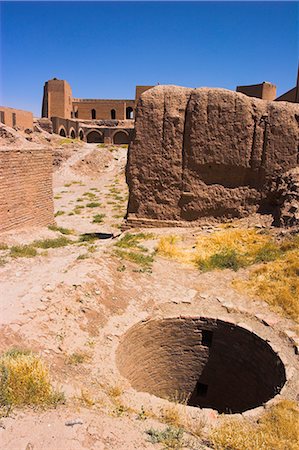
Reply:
x=93, y=120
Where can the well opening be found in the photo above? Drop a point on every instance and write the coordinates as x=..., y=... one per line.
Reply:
x=209, y=362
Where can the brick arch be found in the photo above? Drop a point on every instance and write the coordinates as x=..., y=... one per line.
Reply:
x=62, y=131
x=81, y=134
x=72, y=133
x=121, y=137
x=94, y=136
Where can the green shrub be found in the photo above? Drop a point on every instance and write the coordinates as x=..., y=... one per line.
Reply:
x=225, y=259
x=170, y=438
x=52, y=243
x=93, y=204
x=59, y=213
x=23, y=251
x=98, y=218
x=138, y=258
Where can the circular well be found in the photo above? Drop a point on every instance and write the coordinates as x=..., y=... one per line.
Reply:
x=209, y=362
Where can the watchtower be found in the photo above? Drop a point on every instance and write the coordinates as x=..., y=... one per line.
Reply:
x=57, y=99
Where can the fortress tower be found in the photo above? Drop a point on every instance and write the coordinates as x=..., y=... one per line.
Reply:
x=57, y=99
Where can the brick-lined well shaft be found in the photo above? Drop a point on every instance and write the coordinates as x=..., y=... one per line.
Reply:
x=26, y=190
x=213, y=363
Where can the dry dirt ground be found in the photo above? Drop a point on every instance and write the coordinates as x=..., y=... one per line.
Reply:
x=72, y=304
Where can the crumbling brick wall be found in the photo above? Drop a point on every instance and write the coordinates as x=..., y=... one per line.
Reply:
x=26, y=192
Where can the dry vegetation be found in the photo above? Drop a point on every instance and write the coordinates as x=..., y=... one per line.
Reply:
x=25, y=381
x=274, y=275
x=277, y=283
x=276, y=430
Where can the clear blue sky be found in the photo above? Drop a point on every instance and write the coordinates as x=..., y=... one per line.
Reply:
x=103, y=49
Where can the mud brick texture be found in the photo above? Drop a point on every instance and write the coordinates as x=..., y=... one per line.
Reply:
x=26, y=191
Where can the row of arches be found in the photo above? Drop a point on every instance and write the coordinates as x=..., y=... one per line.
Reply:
x=96, y=136
x=119, y=137
x=72, y=133
x=129, y=113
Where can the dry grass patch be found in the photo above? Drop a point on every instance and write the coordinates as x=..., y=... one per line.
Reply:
x=67, y=141
x=172, y=247
x=77, y=358
x=230, y=248
x=277, y=283
x=277, y=429
x=115, y=391
x=61, y=230
x=24, y=380
x=172, y=416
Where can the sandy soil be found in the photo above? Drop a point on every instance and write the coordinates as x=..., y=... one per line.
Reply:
x=81, y=298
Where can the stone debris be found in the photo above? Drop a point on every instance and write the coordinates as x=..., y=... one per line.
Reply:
x=71, y=423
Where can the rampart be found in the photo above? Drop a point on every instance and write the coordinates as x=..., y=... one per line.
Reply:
x=26, y=193
x=208, y=153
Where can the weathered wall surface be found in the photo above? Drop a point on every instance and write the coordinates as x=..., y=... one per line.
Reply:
x=16, y=117
x=207, y=153
x=26, y=195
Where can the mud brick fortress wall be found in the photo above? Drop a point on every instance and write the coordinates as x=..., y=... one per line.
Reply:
x=16, y=118
x=26, y=193
x=208, y=153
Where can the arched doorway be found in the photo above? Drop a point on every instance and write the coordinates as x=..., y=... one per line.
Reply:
x=121, y=137
x=129, y=113
x=81, y=135
x=62, y=132
x=73, y=134
x=94, y=137
x=93, y=114
x=113, y=114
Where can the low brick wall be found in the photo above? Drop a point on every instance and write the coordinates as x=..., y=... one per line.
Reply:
x=26, y=191
x=16, y=117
